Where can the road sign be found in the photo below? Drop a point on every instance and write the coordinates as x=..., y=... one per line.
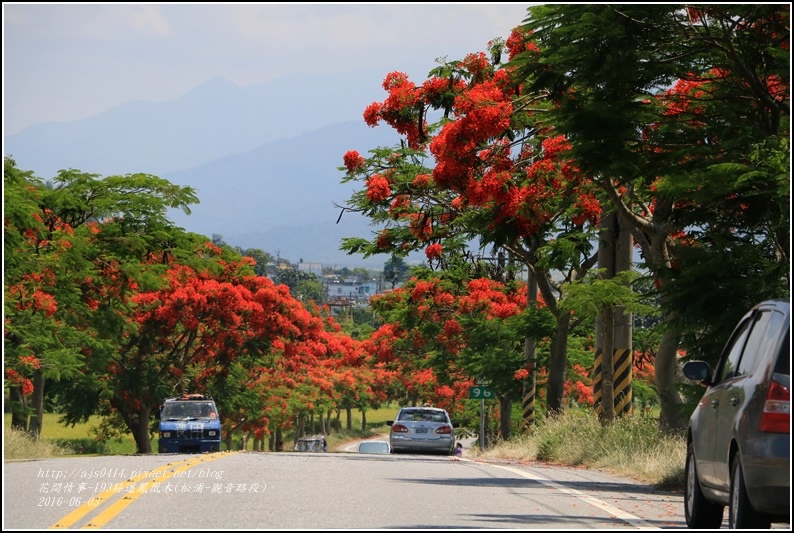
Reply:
x=480, y=393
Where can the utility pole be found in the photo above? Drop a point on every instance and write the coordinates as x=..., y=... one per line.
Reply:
x=612, y=373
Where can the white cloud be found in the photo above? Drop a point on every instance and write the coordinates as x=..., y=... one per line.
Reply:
x=71, y=61
x=124, y=21
x=86, y=22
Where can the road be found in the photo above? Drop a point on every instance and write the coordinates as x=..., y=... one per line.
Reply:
x=335, y=490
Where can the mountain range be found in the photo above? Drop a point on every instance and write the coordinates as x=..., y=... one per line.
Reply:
x=264, y=159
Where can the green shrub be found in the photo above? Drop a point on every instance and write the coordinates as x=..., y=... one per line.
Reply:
x=83, y=446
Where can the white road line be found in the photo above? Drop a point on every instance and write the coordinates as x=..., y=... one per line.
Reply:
x=629, y=518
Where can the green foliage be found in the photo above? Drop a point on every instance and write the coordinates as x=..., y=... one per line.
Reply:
x=738, y=276
x=364, y=322
x=394, y=271
x=600, y=64
x=690, y=143
x=83, y=446
x=591, y=295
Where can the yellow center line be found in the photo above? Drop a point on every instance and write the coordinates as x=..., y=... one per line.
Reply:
x=103, y=497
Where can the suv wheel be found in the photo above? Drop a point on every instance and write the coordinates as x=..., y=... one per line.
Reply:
x=741, y=514
x=700, y=513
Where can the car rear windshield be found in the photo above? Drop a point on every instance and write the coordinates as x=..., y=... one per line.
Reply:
x=422, y=415
x=188, y=409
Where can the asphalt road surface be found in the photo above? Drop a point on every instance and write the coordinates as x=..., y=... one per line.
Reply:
x=334, y=490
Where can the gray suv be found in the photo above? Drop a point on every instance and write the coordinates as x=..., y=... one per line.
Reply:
x=739, y=436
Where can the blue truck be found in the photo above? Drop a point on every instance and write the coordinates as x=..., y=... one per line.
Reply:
x=189, y=424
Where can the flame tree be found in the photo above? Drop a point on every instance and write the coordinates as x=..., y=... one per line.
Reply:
x=680, y=113
x=74, y=250
x=673, y=117
x=486, y=169
x=117, y=308
x=444, y=330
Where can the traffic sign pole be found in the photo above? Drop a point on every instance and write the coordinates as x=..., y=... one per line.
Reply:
x=482, y=425
x=482, y=393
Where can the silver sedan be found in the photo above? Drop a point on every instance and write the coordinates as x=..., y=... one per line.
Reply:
x=422, y=430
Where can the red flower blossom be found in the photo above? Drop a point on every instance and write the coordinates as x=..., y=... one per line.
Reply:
x=521, y=374
x=378, y=188
x=394, y=79
x=422, y=181
x=25, y=385
x=383, y=240
x=433, y=251
x=30, y=361
x=372, y=114
x=353, y=161
x=476, y=64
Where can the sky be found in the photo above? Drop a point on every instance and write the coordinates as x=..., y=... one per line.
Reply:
x=64, y=62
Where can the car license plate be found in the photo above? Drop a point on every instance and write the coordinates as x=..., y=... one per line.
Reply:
x=421, y=430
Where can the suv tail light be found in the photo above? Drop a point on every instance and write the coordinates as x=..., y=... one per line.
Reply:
x=444, y=429
x=776, y=415
x=399, y=428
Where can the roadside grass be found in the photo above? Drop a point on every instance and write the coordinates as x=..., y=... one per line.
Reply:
x=18, y=445
x=632, y=446
x=71, y=440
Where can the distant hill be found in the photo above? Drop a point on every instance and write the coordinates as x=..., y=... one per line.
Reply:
x=215, y=119
x=264, y=162
x=280, y=197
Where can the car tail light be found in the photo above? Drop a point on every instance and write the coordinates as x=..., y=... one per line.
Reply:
x=776, y=415
x=444, y=429
x=399, y=428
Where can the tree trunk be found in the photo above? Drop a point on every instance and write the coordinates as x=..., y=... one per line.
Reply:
x=140, y=430
x=666, y=367
x=349, y=413
x=505, y=410
x=555, y=390
x=652, y=237
x=19, y=409
x=608, y=366
x=605, y=334
x=363, y=419
x=37, y=399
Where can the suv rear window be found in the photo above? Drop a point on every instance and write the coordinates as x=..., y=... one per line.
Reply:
x=760, y=342
x=783, y=365
x=422, y=415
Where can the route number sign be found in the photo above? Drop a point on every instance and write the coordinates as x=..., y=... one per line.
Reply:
x=480, y=393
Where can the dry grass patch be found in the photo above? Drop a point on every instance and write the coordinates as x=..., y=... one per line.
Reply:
x=632, y=446
x=19, y=445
